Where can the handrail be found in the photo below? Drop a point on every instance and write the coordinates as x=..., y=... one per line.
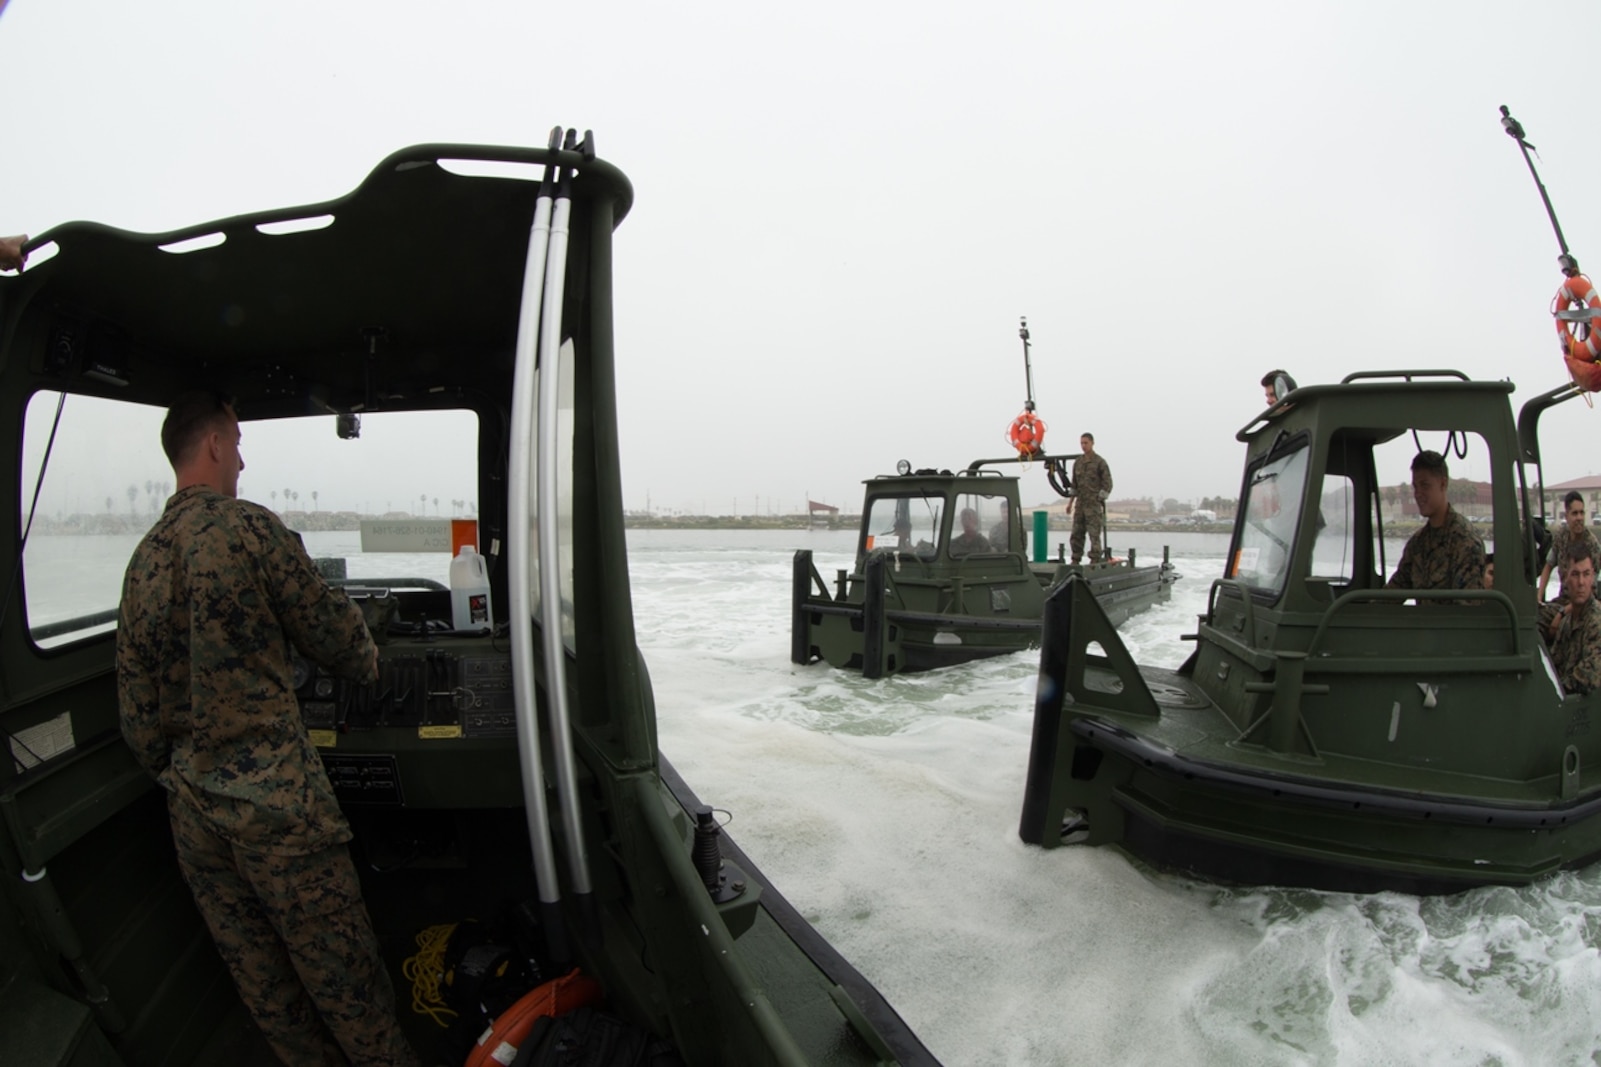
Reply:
x=1406, y=375
x=1399, y=595
x=1245, y=595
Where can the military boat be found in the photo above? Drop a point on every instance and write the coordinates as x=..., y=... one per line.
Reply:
x=1328, y=731
x=456, y=310
x=942, y=575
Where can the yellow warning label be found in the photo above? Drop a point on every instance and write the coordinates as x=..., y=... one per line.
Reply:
x=324, y=738
x=427, y=732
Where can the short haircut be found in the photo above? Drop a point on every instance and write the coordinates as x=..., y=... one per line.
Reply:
x=1431, y=461
x=1489, y=557
x=1091, y=436
x=1568, y=501
x=192, y=416
x=1267, y=379
x=1578, y=551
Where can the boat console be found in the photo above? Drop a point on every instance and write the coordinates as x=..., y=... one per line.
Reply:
x=438, y=727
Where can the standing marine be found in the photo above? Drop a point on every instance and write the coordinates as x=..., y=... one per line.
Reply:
x=213, y=599
x=1092, y=485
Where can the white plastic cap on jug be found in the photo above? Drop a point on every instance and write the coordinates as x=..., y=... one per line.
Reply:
x=469, y=591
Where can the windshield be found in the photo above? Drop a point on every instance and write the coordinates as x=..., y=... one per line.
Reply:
x=904, y=523
x=404, y=478
x=1266, y=532
x=983, y=524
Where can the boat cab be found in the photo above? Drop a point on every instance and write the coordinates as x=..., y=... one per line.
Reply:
x=1328, y=730
x=950, y=568
x=439, y=343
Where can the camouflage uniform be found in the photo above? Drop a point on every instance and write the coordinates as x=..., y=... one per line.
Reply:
x=1450, y=556
x=1577, y=649
x=1092, y=483
x=965, y=545
x=1561, y=539
x=213, y=598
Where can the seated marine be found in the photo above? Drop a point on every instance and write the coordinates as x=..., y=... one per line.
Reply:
x=969, y=540
x=1000, y=533
x=1571, y=529
x=1575, y=631
x=1445, y=553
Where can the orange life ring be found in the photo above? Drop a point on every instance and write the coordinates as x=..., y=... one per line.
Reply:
x=511, y=1028
x=1027, y=434
x=1581, y=345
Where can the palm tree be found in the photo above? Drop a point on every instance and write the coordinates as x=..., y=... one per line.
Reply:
x=425, y=503
x=314, y=500
x=133, y=495
x=436, y=505
x=275, y=498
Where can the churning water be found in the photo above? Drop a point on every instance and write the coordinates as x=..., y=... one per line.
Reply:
x=887, y=812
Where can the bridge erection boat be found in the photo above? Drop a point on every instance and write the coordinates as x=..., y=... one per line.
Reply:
x=444, y=329
x=943, y=576
x=1329, y=731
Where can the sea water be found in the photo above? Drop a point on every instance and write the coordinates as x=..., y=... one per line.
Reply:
x=887, y=812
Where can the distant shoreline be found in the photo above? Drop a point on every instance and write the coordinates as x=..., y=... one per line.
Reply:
x=349, y=521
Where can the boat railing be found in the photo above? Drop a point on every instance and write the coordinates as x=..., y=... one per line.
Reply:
x=1264, y=659
x=1443, y=596
x=1404, y=375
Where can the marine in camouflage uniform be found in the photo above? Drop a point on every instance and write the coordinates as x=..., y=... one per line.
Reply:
x=1445, y=553
x=1448, y=556
x=1563, y=540
x=1575, y=629
x=1576, y=652
x=213, y=598
x=1092, y=484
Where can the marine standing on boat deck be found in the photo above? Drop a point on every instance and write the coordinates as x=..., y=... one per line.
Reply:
x=1576, y=646
x=213, y=598
x=1445, y=553
x=1567, y=533
x=1092, y=484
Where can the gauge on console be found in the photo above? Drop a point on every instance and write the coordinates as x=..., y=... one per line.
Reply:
x=300, y=669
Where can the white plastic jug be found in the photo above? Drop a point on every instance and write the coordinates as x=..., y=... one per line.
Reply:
x=469, y=591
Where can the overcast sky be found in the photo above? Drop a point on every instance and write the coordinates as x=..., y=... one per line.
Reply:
x=842, y=209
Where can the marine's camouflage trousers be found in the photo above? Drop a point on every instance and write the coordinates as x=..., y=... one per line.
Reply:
x=296, y=937
x=1088, y=516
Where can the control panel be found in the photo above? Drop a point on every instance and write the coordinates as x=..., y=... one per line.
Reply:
x=436, y=730
x=443, y=685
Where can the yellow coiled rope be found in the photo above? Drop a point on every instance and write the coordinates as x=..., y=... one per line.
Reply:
x=425, y=971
